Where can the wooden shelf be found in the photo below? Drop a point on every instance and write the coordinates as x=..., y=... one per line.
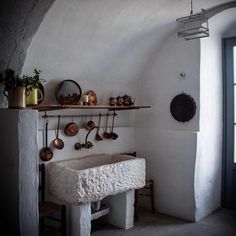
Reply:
x=62, y=107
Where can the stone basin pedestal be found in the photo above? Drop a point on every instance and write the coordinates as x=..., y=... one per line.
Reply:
x=121, y=214
x=82, y=181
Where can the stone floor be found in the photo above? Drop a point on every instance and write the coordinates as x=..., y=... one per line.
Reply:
x=221, y=223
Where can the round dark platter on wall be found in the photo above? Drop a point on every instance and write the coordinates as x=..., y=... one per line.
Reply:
x=183, y=107
x=68, y=92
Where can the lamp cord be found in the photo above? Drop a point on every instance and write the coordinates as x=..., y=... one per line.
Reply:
x=191, y=12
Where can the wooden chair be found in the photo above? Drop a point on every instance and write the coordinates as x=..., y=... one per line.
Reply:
x=146, y=191
x=50, y=210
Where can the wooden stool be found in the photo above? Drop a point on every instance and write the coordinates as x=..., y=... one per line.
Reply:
x=49, y=209
x=140, y=193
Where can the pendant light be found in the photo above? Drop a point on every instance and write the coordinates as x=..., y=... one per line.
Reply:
x=193, y=26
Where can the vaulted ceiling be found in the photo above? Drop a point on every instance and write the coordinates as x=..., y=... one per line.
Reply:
x=19, y=20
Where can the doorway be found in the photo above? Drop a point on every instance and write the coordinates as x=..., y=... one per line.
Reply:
x=229, y=155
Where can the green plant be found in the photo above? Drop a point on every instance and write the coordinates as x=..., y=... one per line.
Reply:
x=32, y=82
x=11, y=80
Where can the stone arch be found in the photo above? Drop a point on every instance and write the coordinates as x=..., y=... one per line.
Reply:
x=19, y=21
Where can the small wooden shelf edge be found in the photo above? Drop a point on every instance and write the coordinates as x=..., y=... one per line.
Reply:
x=62, y=107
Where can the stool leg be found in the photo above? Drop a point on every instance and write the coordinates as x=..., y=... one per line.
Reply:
x=152, y=197
x=41, y=226
x=63, y=221
x=136, y=205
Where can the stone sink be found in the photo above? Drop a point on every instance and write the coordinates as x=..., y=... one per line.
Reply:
x=92, y=178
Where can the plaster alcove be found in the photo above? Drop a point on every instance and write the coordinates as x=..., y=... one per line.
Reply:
x=185, y=160
x=132, y=47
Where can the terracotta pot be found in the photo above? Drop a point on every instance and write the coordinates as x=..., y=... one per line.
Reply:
x=16, y=97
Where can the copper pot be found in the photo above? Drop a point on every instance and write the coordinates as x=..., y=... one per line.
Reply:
x=71, y=129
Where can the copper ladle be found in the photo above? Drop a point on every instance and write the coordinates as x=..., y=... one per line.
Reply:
x=113, y=135
x=98, y=136
x=106, y=134
x=57, y=142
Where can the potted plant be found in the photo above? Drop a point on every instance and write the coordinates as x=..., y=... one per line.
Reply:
x=16, y=87
x=33, y=83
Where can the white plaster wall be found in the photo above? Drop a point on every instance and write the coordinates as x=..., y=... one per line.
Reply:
x=206, y=159
x=123, y=126
x=101, y=43
x=209, y=141
x=117, y=47
x=124, y=143
x=19, y=198
x=170, y=157
x=170, y=148
x=162, y=82
x=28, y=171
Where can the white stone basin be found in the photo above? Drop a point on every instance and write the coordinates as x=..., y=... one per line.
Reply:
x=92, y=178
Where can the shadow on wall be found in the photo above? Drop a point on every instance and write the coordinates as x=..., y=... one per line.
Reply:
x=3, y=100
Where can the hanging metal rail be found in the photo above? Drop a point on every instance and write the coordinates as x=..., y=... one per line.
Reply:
x=46, y=116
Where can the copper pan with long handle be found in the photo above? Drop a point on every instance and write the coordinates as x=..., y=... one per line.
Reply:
x=46, y=153
x=57, y=142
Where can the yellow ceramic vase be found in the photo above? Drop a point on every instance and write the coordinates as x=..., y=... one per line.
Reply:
x=34, y=96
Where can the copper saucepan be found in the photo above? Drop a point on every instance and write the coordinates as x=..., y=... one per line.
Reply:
x=57, y=142
x=46, y=153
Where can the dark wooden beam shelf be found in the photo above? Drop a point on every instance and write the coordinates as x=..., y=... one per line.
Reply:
x=105, y=107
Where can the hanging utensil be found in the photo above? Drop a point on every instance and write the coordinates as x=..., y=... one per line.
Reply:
x=46, y=153
x=57, y=142
x=71, y=129
x=90, y=125
x=98, y=136
x=88, y=144
x=113, y=135
x=78, y=145
x=106, y=134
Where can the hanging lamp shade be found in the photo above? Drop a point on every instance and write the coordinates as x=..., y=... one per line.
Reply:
x=193, y=26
